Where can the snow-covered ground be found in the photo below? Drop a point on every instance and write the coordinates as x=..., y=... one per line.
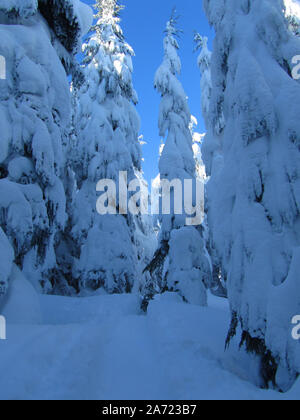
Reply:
x=104, y=348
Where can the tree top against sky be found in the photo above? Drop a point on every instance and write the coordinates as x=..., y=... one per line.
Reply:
x=108, y=11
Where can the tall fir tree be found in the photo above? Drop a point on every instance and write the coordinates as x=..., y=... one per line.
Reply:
x=218, y=285
x=180, y=263
x=204, y=64
x=254, y=195
x=108, y=249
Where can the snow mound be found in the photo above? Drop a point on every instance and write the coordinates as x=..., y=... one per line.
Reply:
x=21, y=304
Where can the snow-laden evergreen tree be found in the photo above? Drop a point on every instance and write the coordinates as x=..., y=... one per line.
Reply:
x=34, y=118
x=204, y=64
x=254, y=194
x=108, y=247
x=216, y=284
x=180, y=263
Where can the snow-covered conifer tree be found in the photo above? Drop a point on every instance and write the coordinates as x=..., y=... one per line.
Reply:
x=204, y=64
x=254, y=194
x=34, y=117
x=106, y=127
x=180, y=263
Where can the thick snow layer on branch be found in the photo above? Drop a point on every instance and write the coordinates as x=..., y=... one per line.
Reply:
x=84, y=15
x=23, y=8
x=292, y=13
x=69, y=19
x=188, y=265
x=292, y=8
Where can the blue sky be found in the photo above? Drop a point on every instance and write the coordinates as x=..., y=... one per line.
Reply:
x=143, y=23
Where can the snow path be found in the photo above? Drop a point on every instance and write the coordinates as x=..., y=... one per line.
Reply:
x=138, y=371
x=109, y=351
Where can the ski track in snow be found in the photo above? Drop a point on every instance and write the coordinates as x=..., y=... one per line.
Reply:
x=175, y=352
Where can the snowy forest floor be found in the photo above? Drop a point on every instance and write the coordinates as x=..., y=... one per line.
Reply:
x=103, y=348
